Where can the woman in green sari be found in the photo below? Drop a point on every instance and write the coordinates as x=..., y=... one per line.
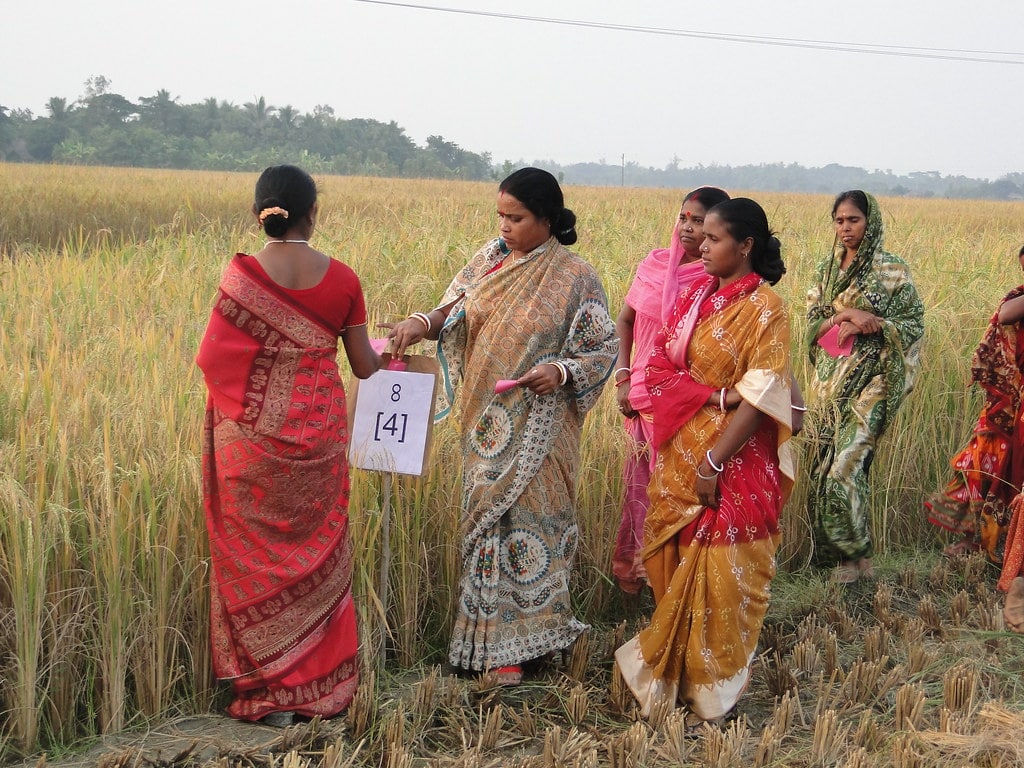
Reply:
x=865, y=323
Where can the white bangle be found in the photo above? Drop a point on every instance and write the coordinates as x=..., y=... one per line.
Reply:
x=711, y=462
x=563, y=372
x=424, y=318
x=798, y=408
x=706, y=477
x=617, y=371
x=721, y=400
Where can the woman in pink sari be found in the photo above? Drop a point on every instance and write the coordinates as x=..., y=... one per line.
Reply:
x=722, y=473
x=660, y=278
x=275, y=473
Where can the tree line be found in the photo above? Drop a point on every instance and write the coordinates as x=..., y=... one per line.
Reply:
x=105, y=128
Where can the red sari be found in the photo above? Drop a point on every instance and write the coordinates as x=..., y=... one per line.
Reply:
x=275, y=492
x=989, y=470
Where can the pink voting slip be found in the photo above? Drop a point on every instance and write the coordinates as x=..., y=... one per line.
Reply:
x=830, y=343
x=504, y=385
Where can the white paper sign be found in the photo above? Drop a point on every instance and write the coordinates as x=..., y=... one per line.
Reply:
x=391, y=424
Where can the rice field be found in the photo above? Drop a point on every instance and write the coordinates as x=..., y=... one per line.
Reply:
x=107, y=278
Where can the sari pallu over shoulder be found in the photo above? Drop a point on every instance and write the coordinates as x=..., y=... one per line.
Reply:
x=276, y=495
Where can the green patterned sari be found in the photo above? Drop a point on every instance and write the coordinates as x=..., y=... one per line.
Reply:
x=856, y=397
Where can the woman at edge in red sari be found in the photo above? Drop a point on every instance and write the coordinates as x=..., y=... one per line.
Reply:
x=660, y=278
x=721, y=475
x=989, y=471
x=275, y=470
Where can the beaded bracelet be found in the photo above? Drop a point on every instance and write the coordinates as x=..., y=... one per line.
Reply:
x=711, y=462
x=423, y=318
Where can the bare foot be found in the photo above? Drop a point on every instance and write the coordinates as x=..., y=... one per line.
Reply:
x=1013, y=606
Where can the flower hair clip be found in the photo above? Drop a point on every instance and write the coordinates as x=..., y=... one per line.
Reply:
x=271, y=211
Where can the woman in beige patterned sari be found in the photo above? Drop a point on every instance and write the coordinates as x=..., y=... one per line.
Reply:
x=528, y=309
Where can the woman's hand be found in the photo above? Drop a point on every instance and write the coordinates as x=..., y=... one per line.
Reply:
x=622, y=398
x=404, y=334
x=707, y=485
x=541, y=379
x=852, y=322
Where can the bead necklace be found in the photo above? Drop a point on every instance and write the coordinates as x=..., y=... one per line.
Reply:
x=286, y=241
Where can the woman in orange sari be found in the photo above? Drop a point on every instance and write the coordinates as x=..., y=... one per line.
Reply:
x=275, y=473
x=722, y=473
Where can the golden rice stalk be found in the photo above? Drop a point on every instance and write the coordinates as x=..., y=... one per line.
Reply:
x=806, y=657
x=767, y=746
x=844, y=625
x=876, y=643
x=910, y=700
x=629, y=748
x=579, y=657
x=525, y=721
x=397, y=756
x=394, y=725
x=783, y=713
x=425, y=694
x=830, y=655
x=960, y=608
x=929, y=614
x=913, y=630
x=334, y=754
x=882, y=603
x=578, y=705
x=577, y=748
x=861, y=681
x=857, y=758
x=362, y=712
x=491, y=725
x=809, y=627
x=905, y=752
x=954, y=722
x=959, y=686
x=895, y=676
x=919, y=658
x=723, y=749
x=829, y=739
x=620, y=698
x=778, y=676
x=868, y=735
x=678, y=745
x=293, y=759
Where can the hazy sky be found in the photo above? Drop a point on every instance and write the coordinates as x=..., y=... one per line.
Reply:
x=528, y=90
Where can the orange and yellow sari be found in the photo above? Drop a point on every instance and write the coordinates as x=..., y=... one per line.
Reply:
x=711, y=569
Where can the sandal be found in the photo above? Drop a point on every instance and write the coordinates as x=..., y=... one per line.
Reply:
x=1013, y=606
x=508, y=676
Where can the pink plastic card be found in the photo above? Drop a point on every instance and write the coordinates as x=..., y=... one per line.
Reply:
x=830, y=343
x=504, y=385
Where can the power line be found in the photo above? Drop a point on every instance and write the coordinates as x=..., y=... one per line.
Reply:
x=906, y=51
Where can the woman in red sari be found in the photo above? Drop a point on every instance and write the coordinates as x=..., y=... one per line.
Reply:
x=660, y=278
x=275, y=472
x=721, y=475
x=988, y=472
